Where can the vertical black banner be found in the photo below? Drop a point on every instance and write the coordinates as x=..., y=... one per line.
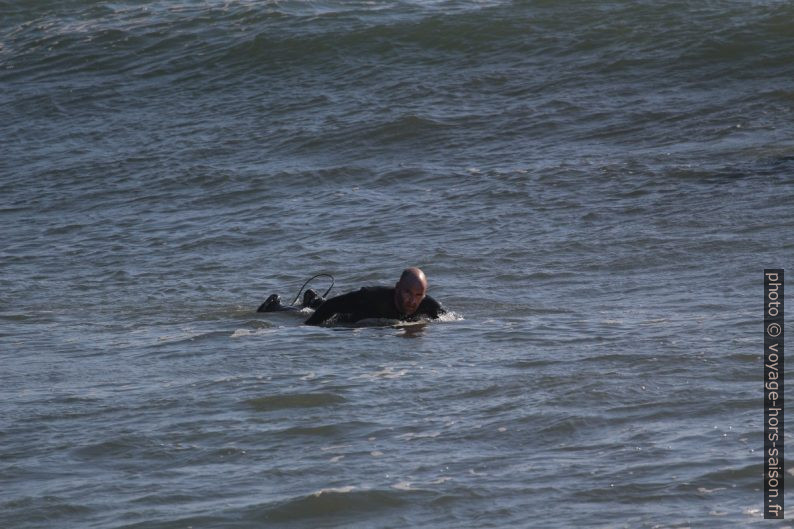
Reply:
x=773, y=394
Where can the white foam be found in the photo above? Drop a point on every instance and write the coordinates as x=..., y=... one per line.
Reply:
x=386, y=372
x=411, y=435
x=334, y=447
x=450, y=316
x=331, y=490
x=251, y=332
x=704, y=490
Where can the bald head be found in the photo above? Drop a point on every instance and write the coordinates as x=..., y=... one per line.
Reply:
x=413, y=276
x=410, y=290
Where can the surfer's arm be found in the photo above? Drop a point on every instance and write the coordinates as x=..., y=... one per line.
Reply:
x=336, y=305
x=432, y=308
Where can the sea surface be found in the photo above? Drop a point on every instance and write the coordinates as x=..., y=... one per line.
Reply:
x=592, y=188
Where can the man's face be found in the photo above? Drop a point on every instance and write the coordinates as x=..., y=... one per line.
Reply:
x=410, y=295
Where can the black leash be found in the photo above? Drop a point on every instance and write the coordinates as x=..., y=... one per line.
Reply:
x=310, y=279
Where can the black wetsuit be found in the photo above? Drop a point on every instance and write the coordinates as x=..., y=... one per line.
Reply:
x=371, y=302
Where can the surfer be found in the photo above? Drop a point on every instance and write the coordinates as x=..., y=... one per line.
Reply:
x=406, y=301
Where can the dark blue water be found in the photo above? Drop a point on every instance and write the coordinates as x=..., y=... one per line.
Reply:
x=593, y=190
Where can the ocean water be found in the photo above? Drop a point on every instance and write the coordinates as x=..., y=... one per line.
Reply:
x=593, y=189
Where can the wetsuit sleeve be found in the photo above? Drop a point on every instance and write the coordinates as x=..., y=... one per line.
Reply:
x=336, y=305
x=433, y=308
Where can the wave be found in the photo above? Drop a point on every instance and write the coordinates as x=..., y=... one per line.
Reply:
x=302, y=400
x=335, y=501
x=48, y=40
